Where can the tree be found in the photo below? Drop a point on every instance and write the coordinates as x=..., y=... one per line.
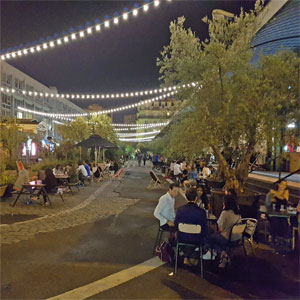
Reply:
x=235, y=105
x=11, y=136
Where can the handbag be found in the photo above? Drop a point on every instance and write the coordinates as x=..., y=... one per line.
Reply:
x=165, y=252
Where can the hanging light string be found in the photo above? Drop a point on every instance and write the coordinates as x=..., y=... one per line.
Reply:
x=107, y=111
x=66, y=39
x=89, y=97
x=146, y=139
x=148, y=125
x=124, y=135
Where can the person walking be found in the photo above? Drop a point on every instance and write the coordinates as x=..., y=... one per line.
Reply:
x=139, y=159
x=145, y=158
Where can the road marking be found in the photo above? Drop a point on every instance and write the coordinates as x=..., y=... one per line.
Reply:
x=111, y=281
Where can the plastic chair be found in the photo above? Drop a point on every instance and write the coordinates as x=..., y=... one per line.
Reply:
x=190, y=229
x=249, y=231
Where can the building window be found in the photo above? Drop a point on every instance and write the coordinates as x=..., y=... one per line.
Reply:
x=21, y=84
x=16, y=83
x=9, y=79
x=19, y=115
x=6, y=102
x=4, y=77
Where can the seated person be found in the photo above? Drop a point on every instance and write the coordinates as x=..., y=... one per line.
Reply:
x=58, y=170
x=72, y=173
x=201, y=198
x=83, y=174
x=206, y=172
x=87, y=167
x=191, y=213
x=219, y=239
x=51, y=185
x=184, y=175
x=23, y=178
x=279, y=196
x=164, y=210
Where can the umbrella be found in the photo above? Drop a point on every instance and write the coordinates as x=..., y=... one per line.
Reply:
x=96, y=141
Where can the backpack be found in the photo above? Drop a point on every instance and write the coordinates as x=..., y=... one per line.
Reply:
x=165, y=252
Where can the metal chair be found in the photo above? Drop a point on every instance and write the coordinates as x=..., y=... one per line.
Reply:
x=237, y=230
x=249, y=231
x=158, y=237
x=190, y=229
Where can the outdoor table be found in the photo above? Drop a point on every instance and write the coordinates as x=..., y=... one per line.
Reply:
x=35, y=186
x=270, y=212
x=64, y=180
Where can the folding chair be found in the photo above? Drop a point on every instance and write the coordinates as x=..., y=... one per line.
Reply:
x=119, y=175
x=155, y=182
x=249, y=231
x=190, y=229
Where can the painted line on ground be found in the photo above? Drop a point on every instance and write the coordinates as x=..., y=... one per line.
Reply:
x=111, y=281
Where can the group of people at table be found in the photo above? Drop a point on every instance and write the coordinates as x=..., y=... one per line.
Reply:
x=51, y=179
x=212, y=236
x=193, y=212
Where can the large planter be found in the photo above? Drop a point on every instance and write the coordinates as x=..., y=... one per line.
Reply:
x=214, y=184
x=2, y=190
x=248, y=204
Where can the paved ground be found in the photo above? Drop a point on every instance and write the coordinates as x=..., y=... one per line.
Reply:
x=112, y=228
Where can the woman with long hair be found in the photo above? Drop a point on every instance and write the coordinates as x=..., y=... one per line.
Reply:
x=228, y=218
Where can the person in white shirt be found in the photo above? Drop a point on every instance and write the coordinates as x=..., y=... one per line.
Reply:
x=177, y=169
x=82, y=173
x=164, y=210
x=206, y=171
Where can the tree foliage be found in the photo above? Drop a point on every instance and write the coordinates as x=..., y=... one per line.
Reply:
x=236, y=104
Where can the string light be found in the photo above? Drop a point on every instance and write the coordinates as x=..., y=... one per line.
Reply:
x=148, y=125
x=118, y=95
x=73, y=36
x=107, y=111
x=147, y=139
x=121, y=135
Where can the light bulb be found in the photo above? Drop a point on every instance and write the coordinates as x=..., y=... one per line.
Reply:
x=3, y=57
x=135, y=12
x=89, y=30
x=19, y=53
x=146, y=7
x=66, y=39
x=106, y=23
x=38, y=48
x=81, y=34
x=156, y=3
x=58, y=42
x=116, y=20
x=51, y=44
x=125, y=16
x=25, y=52
x=45, y=46
x=73, y=36
x=13, y=54
x=98, y=27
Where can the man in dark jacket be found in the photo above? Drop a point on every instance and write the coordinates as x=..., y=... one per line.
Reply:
x=191, y=213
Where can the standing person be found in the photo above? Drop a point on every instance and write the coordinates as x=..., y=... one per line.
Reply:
x=177, y=171
x=164, y=210
x=144, y=158
x=139, y=157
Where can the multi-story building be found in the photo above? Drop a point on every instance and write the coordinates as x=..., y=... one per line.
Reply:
x=130, y=119
x=12, y=78
x=157, y=112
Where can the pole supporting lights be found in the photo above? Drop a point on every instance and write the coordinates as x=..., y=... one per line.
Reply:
x=73, y=36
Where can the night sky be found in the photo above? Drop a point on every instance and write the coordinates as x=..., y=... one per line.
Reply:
x=121, y=58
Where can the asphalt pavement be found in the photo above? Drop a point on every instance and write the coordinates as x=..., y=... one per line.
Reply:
x=55, y=262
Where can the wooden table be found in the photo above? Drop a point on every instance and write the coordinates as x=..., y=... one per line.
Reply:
x=35, y=186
